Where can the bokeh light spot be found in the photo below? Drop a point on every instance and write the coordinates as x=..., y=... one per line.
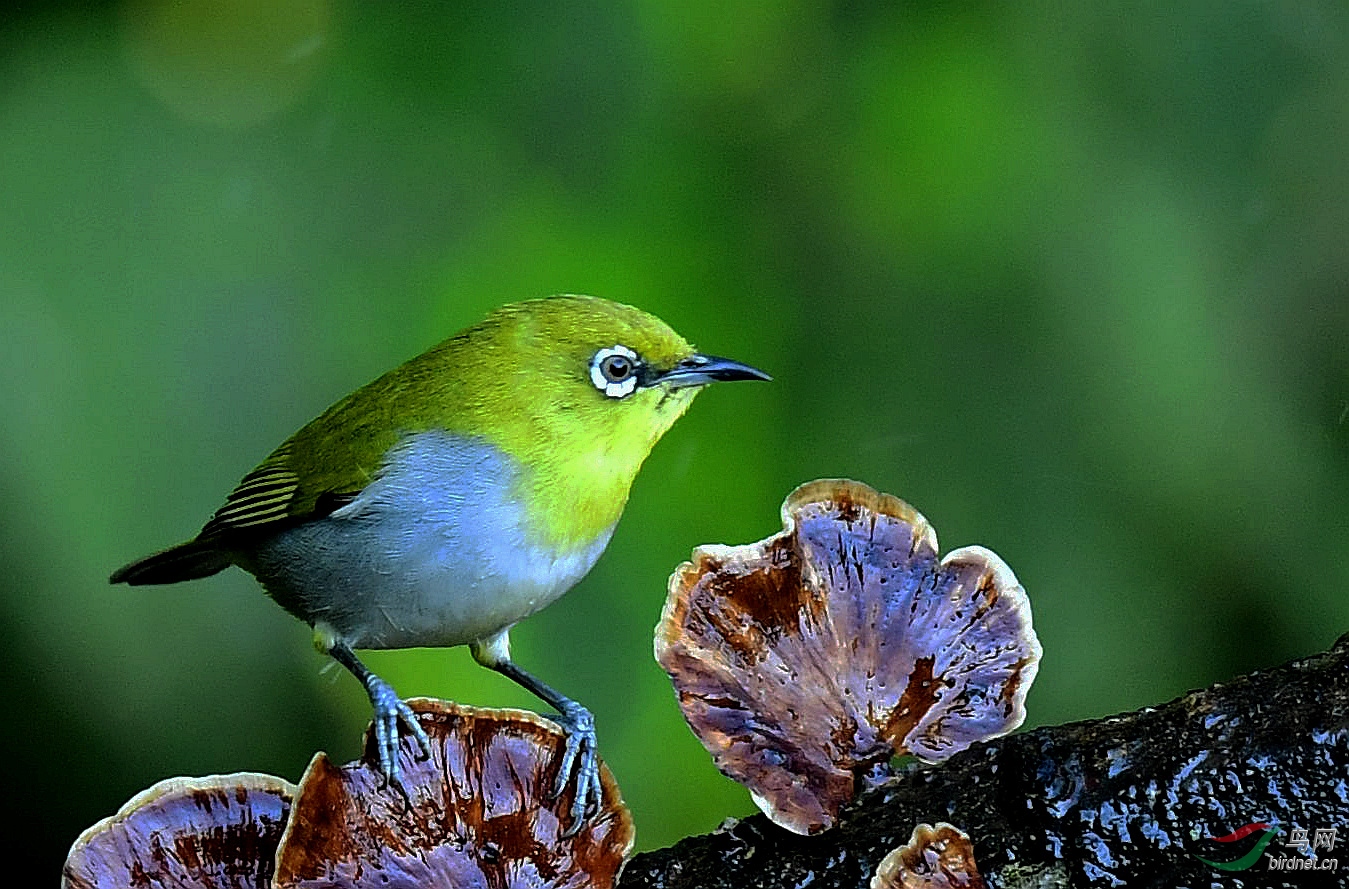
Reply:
x=226, y=63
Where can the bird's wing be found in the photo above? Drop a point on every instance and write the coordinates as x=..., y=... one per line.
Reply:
x=270, y=495
x=263, y=496
x=329, y=461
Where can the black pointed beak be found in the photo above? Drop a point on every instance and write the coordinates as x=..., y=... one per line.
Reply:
x=699, y=370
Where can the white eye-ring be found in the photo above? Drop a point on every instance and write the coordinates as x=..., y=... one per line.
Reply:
x=614, y=371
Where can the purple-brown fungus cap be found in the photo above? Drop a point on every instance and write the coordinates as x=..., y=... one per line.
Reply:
x=940, y=857
x=478, y=811
x=186, y=833
x=815, y=656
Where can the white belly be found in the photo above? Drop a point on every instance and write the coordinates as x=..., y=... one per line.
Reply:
x=434, y=552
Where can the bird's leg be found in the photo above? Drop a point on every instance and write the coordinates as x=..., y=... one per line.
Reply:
x=389, y=711
x=579, y=756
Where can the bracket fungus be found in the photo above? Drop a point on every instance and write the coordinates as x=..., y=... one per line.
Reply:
x=810, y=659
x=479, y=811
x=219, y=832
x=940, y=857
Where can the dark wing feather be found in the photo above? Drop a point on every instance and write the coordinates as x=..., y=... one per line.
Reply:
x=262, y=497
x=268, y=495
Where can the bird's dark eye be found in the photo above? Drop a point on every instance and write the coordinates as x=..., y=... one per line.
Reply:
x=614, y=371
x=616, y=368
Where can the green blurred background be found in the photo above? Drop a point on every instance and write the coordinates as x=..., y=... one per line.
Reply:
x=1071, y=278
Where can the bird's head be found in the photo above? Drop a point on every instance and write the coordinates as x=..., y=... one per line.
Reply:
x=612, y=368
x=587, y=387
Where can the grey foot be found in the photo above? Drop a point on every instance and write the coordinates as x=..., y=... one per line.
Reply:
x=579, y=758
x=389, y=712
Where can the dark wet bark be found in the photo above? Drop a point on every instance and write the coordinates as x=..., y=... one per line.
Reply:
x=1132, y=800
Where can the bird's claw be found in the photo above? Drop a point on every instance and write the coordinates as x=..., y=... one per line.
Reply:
x=390, y=710
x=579, y=757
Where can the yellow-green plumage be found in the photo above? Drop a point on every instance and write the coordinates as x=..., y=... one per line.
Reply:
x=518, y=379
x=459, y=493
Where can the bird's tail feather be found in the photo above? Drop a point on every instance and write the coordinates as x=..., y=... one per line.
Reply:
x=186, y=561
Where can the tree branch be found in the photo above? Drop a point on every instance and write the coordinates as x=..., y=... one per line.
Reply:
x=1128, y=800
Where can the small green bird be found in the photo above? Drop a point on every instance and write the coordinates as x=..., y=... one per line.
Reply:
x=458, y=494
